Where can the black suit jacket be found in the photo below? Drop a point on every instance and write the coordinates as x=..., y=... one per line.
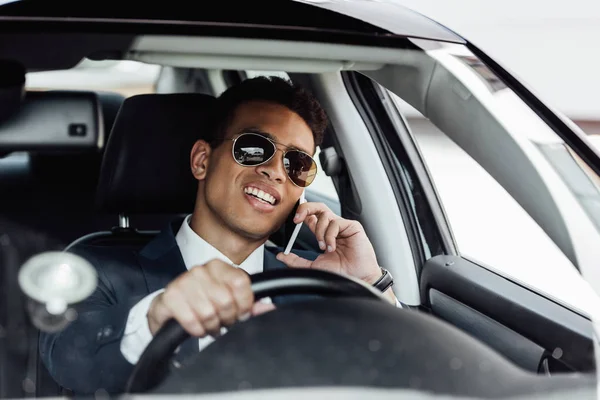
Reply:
x=86, y=355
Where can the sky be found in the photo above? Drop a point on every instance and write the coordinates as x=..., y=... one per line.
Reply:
x=553, y=46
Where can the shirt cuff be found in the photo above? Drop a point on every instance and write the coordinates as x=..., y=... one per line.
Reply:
x=398, y=304
x=137, y=334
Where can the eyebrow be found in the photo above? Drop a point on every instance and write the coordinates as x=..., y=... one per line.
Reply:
x=270, y=136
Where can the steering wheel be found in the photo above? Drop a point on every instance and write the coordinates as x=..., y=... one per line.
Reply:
x=153, y=364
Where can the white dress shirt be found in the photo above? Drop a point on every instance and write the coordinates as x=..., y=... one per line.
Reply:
x=194, y=251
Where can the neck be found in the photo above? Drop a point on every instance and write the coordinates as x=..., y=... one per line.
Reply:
x=232, y=245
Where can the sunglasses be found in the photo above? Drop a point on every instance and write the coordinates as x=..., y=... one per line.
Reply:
x=251, y=149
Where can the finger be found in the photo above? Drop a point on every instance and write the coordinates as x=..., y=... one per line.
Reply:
x=158, y=314
x=311, y=222
x=196, y=291
x=306, y=209
x=322, y=224
x=215, y=266
x=292, y=260
x=331, y=235
x=237, y=282
x=175, y=305
x=222, y=299
x=239, y=285
x=261, y=308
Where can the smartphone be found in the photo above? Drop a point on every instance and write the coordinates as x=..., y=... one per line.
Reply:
x=292, y=229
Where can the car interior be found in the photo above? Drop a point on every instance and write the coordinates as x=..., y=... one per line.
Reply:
x=98, y=168
x=109, y=197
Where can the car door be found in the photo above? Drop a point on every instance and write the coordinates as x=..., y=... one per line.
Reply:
x=536, y=329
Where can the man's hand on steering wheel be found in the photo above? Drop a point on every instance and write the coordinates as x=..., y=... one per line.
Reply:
x=204, y=299
x=280, y=282
x=214, y=295
x=348, y=250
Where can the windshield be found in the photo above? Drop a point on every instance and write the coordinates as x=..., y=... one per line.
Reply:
x=449, y=230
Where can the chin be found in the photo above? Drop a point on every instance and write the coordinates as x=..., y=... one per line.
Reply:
x=256, y=227
x=252, y=232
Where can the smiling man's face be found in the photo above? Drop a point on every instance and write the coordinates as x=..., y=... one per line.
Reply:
x=228, y=186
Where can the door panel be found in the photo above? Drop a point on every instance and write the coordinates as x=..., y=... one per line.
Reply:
x=531, y=330
x=512, y=345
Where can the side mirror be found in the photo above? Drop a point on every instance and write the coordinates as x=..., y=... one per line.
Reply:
x=53, y=282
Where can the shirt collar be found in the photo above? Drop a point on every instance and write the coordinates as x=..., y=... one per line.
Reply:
x=197, y=251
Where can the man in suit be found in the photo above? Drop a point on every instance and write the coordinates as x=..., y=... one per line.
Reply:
x=250, y=176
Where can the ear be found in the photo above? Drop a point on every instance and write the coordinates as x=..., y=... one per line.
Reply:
x=199, y=159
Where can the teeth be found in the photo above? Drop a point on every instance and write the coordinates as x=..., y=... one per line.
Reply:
x=261, y=195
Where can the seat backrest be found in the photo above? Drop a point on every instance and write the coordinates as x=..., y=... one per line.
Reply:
x=145, y=168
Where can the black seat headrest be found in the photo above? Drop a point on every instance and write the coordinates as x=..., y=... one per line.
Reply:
x=146, y=167
x=12, y=87
x=111, y=103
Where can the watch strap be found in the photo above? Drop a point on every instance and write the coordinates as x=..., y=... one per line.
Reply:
x=385, y=281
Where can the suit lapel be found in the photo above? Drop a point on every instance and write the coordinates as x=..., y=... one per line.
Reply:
x=161, y=260
x=271, y=263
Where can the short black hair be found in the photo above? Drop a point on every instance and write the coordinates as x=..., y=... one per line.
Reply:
x=272, y=89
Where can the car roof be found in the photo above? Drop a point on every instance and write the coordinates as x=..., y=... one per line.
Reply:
x=359, y=17
x=58, y=34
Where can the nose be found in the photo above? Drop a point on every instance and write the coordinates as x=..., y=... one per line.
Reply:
x=274, y=169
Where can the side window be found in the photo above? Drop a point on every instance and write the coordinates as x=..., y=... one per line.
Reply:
x=489, y=225
x=323, y=185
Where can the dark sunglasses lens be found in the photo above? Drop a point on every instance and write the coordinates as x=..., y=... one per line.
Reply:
x=250, y=149
x=300, y=167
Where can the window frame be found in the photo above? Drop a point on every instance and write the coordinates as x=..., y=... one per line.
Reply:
x=396, y=146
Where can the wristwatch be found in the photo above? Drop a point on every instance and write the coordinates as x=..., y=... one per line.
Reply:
x=385, y=282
